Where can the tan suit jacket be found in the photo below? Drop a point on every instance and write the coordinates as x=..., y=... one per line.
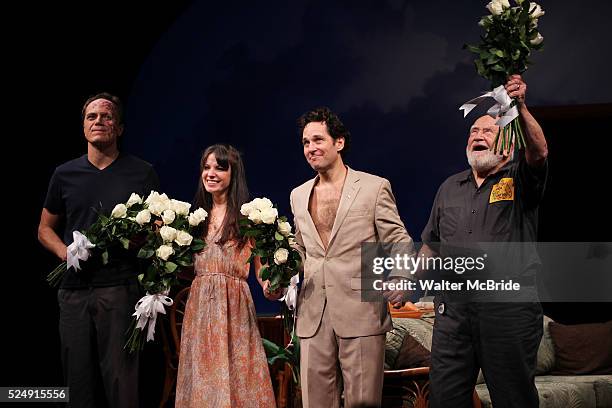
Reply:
x=366, y=213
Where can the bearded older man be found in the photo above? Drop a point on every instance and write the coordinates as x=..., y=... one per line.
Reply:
x=496, y=200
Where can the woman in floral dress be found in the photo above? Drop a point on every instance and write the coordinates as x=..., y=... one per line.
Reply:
x=222, y=361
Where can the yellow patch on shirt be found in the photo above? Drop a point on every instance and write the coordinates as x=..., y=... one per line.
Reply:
x=502, y=191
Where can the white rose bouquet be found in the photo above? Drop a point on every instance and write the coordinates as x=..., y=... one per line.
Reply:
x=272, y=235
x=167, y=227
x=116, y=230
x=169, y=248
x=511, y=33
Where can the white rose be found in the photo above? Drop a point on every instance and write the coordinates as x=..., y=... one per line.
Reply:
x=168, y=216
x=143, y=217
x=167, y=233
x=196, y=217
x=157, y=208
x=246, y=208
x=262, y=203
x=183, y=238
x=268, y=216
x=537, y=40
x=153, y=197
x=284, y=228
x=495, y=7
x=505, y=3
x=536, y=10
x=280, y=256
x=291, y=241
x=120, y=211
x=134, y=199
x=180, y=207
x=158, y=203
x=164, y=252
x=255, y=216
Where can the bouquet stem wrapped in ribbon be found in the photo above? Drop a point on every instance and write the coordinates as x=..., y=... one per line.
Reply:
x=511, y=33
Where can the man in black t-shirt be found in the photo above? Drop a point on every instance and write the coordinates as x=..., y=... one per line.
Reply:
x=495, y=201
x=96, y=302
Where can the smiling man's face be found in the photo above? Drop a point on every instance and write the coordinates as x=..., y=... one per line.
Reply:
x=480, y=142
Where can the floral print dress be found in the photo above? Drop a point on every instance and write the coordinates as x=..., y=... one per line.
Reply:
x=222, y=361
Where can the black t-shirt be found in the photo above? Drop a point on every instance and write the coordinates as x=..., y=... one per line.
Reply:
x=504, y=209
x=78, y=191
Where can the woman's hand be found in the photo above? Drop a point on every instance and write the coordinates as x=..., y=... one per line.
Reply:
x=277, y=294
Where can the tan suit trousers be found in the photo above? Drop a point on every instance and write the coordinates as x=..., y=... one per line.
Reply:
x=328, y=361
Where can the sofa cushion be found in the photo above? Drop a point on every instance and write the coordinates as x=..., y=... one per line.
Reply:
x=565, y=391
x=408, y=345
x=582, y=348
x=546, y=351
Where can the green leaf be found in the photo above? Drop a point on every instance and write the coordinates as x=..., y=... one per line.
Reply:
x=171, y=267
x=275, y=280
x=197, y=247
x=145, y=253
x=278, y=236
x=264, y=273
x=479, y=67
x=125, y=243
x=184, y=261
x=104, y=257
x=492, y=60
x=499, y=53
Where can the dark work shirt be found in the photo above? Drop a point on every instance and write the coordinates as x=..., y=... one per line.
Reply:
x=78, y=191
x=503, y=209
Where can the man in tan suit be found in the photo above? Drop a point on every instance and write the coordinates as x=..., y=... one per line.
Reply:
x=334, y=213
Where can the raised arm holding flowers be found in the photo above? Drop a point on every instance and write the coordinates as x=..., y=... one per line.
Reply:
x=511, y=34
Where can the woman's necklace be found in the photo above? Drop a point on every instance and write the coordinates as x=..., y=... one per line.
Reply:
x=216, y=220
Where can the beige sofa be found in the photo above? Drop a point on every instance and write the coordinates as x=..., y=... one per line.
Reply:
x=555, y=391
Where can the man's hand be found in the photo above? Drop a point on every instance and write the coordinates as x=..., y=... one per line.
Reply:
x=516, y=88
x=277, y=294
x=397, y=298
x=63, y=253
x=536, y=149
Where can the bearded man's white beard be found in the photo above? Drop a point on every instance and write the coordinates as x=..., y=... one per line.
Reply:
x=484, y=160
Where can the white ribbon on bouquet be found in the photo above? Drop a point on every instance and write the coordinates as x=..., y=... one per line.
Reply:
x=501, y=108
x=290, y=297
x=79, y=250
x=147, y=309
